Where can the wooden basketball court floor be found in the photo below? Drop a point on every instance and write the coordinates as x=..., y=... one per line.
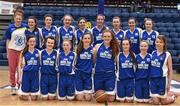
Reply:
x=7, y=99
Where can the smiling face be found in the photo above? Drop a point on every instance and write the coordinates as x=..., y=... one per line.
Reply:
x=86, y=39
x=31, y=42
x=125, y=45
x=18, y=19
x=107, y=37
x=159, y=44
x=82, y=24
x=149, y=25
x=48, y=21
x=100, y=21
x=132, y=24
x=67, y=20
x=66, y=46
x=31, y=23
x=143, y=47
x=116, y=23
x=50, y=44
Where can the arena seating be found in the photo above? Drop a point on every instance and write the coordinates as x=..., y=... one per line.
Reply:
x=166, y=21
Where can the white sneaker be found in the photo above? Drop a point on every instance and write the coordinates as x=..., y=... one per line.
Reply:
x=13, y=91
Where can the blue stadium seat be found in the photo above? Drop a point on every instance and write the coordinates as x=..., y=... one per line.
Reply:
x=173, y=52
x=2, y=42
x=162, y=29
x=176, y=41
x=174, y=15
x=133, y=15
x=169, y=40
x=177, y=46
x=177, y=24
x=178, y=29
x=173, y=35
x=125, y=15
x=169, y=24
x=175, y=59
x=157, y=10
x=2, y=49
x=141, y=15
x=171, y=29
x=170, y=46
x=1, y=56
x=166, y=34
x=4, y=56
x=167, y=15
x=158, y=15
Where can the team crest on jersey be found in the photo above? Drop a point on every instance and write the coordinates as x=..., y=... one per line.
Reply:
x=153, y=36
x=71, y=57
x=36, y=33
x=121, y=36
x=19, y=40
x=70, y=32
x=36, y=55
x=148, y=59
x=136, y=34
x=54, y=30
x=54, y=57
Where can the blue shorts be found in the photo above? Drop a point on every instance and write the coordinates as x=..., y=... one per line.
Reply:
x=125, y=88
x=48, y=84
x=30, y=82
x=142, y=89
x=158, y=86
x=66, y=86
x=83, y=82
x=105, y=82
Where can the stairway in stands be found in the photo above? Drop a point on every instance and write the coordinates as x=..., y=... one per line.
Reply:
x=5, y=20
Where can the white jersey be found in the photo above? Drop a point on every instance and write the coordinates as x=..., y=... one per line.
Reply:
x=18, y=40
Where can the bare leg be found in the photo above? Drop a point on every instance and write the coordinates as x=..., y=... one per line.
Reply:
x=88, y=96
x=80, y=97
x=111, y=98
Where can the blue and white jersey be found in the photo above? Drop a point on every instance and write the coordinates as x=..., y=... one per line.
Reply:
x=31, y=60
x=125, y=66
x=85, y=60
x=104, y=60
x=119, y=36
x=11, y=28
x=49, y=32
x=66, y=34
x=35, y=33
x=16, y=36
x=66, y=63
x=159, y=64
x=150, y=38
x=97, y=34
x=79, y=33
x=48, y=62
x=143, y=66
x=135, y=39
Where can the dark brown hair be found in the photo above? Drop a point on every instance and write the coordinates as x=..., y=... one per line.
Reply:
x=114, y=45
x=131, y=52
x=48, y=15
x=27, y=46
x=163, y=38
x=35, y=20
x=80, y=45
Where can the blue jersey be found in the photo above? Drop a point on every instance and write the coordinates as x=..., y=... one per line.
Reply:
x=119, y=36
x=97, y=34
x=31, y=61
x=66, y=34
x=48, y=62
x=104, y=60
x=85, y=60
x=79, y=33
x=150, y=38
x=125, y=67
x=66, y=63
x=49, y=32
x=159, y=64
x=135, y=39
x=143, y=67
x=35, y=33
x=11, y=28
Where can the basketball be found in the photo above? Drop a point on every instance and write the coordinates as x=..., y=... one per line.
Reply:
x=100, y=96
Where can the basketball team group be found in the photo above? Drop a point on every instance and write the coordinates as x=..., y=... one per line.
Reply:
x=68, y=63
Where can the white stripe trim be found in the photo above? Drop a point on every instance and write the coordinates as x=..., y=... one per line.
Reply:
x=70, y=97
x=61, y=98
x=130, y=98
